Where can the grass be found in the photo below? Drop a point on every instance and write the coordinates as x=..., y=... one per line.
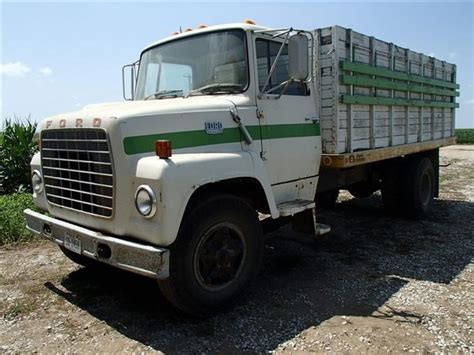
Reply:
x=12, y=221
x=465, y=135
x=17, y=309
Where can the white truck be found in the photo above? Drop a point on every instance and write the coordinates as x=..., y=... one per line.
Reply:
x=230, y=123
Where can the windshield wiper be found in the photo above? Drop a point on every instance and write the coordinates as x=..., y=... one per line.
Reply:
x=164, y=93
x=217, y=87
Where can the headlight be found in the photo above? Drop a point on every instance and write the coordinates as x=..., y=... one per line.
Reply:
x=37, y=182
x=145, y=201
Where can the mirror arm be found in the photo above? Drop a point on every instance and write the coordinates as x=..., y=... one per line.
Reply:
x=285, y=86
x=123, y=82
x=274, y=65
x=288, y=82
x=285, y=32
x=136, y=66
x=132, y=81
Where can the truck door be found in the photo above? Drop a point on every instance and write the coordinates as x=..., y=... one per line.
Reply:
x=290, y=132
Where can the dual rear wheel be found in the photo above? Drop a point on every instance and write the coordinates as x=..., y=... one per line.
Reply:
x=409, y=188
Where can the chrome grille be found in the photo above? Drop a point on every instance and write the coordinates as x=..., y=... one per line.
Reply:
x=77, y=170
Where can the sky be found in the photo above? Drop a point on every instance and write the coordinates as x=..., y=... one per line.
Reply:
x=58, y=57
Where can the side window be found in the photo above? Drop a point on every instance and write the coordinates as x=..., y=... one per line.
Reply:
x=281, y=71
x=266, y=54
x=263, y=62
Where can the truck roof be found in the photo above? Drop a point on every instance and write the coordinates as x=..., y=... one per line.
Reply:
x=243, y=26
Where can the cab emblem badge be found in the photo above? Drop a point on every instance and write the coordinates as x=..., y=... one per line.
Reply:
x=213, y=127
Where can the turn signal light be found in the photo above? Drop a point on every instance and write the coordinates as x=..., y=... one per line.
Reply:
x=188, y=29
x=202, y=26
x=163, y=149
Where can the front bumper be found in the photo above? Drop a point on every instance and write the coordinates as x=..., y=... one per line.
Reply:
x=142, y=259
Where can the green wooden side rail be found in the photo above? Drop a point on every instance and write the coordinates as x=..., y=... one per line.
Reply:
x=392, y=74
x=372, y=100
x=394, y=85
x=411, y=84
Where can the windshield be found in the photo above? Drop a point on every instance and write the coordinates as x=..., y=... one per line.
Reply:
x=210, y=63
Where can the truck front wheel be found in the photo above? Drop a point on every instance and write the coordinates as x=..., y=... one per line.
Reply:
x=218, y=251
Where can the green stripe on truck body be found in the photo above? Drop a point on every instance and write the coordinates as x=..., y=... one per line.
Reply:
x=189, y=139
x=392, y=74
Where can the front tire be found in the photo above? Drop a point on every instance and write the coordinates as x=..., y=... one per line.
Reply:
x=218, y=251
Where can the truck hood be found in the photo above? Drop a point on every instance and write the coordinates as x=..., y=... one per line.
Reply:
x=117, y=111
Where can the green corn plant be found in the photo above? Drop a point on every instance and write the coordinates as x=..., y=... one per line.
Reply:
x=465, y=135
x=18, y=143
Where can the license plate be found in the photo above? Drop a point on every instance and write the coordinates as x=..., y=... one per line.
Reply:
x=72, y=243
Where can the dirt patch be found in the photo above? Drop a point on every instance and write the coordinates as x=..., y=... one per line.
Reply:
x=376, y=283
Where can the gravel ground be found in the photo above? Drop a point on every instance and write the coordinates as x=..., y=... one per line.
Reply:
x=375, y=284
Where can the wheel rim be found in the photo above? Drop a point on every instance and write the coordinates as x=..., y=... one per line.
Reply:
x=219, y=257
x=426, y=189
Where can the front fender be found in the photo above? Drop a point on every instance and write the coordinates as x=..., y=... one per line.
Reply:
x=175, y=180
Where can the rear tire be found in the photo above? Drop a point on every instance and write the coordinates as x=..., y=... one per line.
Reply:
x=419, y=185
x=218, y=251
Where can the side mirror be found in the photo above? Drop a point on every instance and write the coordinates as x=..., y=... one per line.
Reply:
x=298, y=57
x=129, y=71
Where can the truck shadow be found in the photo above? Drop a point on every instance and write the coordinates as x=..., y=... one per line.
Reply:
x=353, y=271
